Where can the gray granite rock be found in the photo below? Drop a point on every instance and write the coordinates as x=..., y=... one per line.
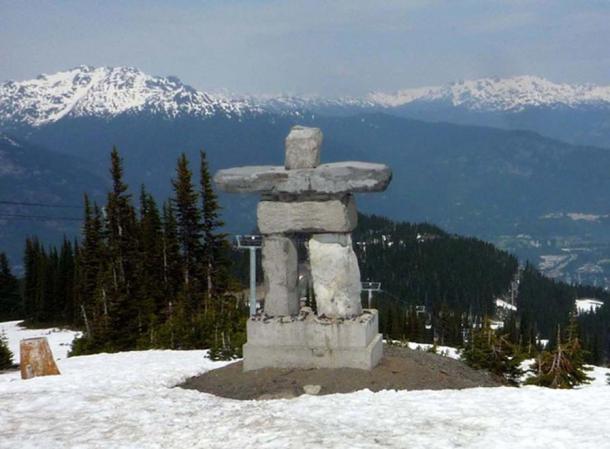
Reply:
x=303, y=148
x=312, y=390
x=338, y=178
x=336, y=276
x=254, y=178
x=280, y=265
x=333, y=179
x=276, y=217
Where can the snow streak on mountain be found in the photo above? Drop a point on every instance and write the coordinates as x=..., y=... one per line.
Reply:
x=107, y=92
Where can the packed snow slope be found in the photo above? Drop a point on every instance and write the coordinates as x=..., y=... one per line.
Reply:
x=60, y=340
x=126, y=400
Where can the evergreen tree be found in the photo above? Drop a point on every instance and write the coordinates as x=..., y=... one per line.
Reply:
x=10, y=300
x=172, y=279
x=47, y=282
x=564, y=366
x=65, y=283
x=216, y=260
x=494, y=353
x=172, y=261
x=30, y=258
x=48, y=299
x=188, y=218
x=125, y=317
x=151, y=296
x=91, y=263
x=6, y=356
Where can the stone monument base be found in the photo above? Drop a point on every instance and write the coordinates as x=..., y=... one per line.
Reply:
x=308, y=341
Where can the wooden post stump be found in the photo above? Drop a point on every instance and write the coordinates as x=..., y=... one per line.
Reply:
x=36, y=358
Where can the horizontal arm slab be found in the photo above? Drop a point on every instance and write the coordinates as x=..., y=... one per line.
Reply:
x=333, y=179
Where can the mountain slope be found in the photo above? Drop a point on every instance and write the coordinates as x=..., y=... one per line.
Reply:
x=472, y=180
x=30, y=177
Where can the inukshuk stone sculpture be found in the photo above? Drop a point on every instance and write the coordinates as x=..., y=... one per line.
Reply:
x=306, y=197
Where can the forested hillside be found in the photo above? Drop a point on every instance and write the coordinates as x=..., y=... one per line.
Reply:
x=436, y=285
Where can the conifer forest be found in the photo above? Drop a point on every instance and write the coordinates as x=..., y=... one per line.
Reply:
x=145, y=275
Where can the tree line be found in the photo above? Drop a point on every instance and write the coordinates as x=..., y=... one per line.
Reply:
x=10, y=297
x=142, y=277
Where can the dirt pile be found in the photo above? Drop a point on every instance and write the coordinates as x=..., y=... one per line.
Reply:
x=400, y=369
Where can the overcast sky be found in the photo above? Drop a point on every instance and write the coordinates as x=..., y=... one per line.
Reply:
x=345, y=47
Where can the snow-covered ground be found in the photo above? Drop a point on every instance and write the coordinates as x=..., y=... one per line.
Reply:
x=60, y=340
x=126, y=400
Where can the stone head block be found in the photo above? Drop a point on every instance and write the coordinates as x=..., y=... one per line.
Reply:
x=303, y=148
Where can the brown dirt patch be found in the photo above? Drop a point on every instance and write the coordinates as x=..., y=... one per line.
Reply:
x=400, y=369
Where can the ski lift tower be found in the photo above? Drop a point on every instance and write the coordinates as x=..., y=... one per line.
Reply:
x=371, y=287
x=251, y=243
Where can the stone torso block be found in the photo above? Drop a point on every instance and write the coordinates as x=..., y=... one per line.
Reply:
x=337, y=215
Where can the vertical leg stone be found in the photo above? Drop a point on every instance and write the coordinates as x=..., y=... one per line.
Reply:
x=280, y=265
x=336, y=275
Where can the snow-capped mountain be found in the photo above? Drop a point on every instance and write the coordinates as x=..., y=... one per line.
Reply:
x=493, y=94
x=574, y=113
x=86, y=91
x=104, y=91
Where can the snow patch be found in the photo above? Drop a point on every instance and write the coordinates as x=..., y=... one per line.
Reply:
x=587, y=305
x=60, y=340
x=505, y=305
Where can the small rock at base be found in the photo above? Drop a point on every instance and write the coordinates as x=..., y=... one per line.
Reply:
x=313, y=390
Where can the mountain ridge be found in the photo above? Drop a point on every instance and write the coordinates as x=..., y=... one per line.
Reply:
x=110, y=91
x=106, y=91
x=501, y=94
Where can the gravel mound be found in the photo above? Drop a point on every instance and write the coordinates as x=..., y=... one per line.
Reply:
x=400, y=369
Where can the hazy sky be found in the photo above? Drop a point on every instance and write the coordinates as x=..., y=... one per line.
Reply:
x=345, y=47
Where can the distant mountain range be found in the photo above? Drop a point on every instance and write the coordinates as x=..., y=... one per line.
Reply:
x=497, y=94
x=86, y=91
x=514, y=187
x=574, y=113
